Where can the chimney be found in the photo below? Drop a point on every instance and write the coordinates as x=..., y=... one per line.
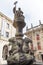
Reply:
x=39, y=22
x=31, y=25
x=26, y=28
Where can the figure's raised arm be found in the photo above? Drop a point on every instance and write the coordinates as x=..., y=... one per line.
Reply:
x=14, y=9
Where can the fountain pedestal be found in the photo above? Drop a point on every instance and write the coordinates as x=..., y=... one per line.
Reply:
x=19, y=53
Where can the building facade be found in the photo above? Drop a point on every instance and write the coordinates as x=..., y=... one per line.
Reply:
x=36, y=35
x=6, y=31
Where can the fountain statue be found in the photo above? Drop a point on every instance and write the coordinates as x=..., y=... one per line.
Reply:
x=19, y=53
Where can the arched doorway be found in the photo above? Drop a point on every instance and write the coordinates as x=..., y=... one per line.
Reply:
x=5, y=52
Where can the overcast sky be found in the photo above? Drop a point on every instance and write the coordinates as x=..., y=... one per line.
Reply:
x=33, y=10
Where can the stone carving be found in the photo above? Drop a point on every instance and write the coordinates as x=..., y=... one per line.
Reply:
x=19, y=53
x=18, y=13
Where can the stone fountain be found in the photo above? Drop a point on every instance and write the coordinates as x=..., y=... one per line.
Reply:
x=19, y=53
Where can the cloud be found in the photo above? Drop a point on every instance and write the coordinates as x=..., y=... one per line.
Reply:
x=33, y=9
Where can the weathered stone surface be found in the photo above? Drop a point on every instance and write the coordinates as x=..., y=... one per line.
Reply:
x=19, y=53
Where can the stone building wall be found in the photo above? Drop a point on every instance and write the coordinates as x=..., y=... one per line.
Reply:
x=36, y=34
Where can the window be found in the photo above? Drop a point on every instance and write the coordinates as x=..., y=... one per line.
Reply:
x=5, y=52
x=7, y=34
x=37, y=37
x=0, y=32
x=7, y=25
x=39, y=46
